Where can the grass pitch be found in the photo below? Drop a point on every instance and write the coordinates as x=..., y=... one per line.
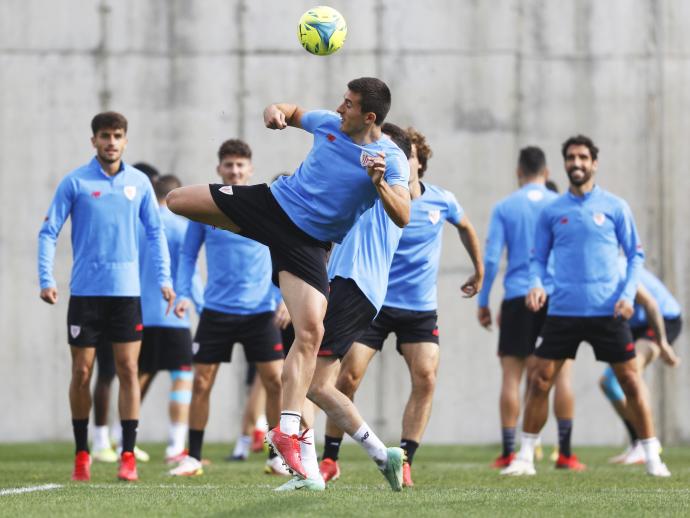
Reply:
x=450, y=481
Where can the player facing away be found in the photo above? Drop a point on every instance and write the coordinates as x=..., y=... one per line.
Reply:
x=358, y=269
x=239, y=307
x=584, y=229
x=512, y=226
x=300, y=215
x=105, y=199
x=409, y=308
x=167, y=340
x=655, y=325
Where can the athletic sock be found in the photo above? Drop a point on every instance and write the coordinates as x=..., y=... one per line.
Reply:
x=651, y=449
x=527, y=443
x=196, y=439
x=372, y=444
x=631, y=431
x=307, y=452
x=331, y=447
x=242, y=446
x=177, y=433
x=410, y=448
x=80, y=427
x=116, y=432
x=565, y=428
x=129, y=434
x=289, y=422
x=101, y=440
x=508, y=439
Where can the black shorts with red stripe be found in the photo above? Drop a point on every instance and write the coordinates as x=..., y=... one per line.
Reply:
x=409, y=327
x=218, y=333
x=610, y=337
x=94, y=320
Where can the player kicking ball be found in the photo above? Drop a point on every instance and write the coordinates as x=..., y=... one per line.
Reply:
x=105, y=199
x=301, y=215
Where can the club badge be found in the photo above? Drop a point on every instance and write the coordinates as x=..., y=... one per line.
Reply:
x=130, y=192
x=434, y=216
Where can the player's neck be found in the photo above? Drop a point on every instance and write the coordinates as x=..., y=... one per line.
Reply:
x=581, y=190
x=367, y=135
x=415, y=188
x=534, y=180
x=110, y=168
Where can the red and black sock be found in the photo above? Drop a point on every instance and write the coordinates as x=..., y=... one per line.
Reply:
x=129, y=434
x=410, y=448
x=331, y=447
x=80, y=427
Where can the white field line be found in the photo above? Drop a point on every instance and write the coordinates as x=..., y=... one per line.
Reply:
x=29, y=489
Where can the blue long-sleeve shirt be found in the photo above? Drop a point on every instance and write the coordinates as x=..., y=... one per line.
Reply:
x=239, y=271
x=153, y=305
x=105, y=211
x=513, y=224
x=585, y=234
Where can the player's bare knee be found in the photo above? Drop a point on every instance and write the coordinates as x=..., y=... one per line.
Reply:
x=81, y=376
x=540, y=382
x=424, y=381
x=347, y=382
x=630, y=383
x=311, y=334
x=272, y=383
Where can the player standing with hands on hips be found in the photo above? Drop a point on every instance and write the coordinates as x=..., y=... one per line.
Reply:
x=105, y=198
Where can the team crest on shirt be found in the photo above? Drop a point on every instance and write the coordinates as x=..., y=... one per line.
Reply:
x=130, y=192
x=74, y=331
x=599, y=219
x=535, y=195
x=366, y=159
x=434, y=216
x=226, y=189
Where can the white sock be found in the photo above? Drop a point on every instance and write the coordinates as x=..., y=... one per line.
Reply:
x=100, y=438
x=308, y=453
x=261, y=423
x=177, y=433
x=242, y=446
x=527, y=443
x=651, y=448
x=289, y=422
x=372, y=444
x=116, y=432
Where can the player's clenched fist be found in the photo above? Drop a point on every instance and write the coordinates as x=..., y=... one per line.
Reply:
x=274, y=118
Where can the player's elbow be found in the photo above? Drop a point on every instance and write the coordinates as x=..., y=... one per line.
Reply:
x=173, y=201
x=402, y=218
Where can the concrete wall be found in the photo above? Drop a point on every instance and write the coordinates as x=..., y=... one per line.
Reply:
x=481, y=79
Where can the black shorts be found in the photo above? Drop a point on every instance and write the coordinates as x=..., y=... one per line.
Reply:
x=254, y=209
x=673, y=328
x=91, y=320
x=218, y=332
x=105, y=360
x=520, y=328
x=409, y=327
x=165, y=349
x=348, y=315
x=610, y=338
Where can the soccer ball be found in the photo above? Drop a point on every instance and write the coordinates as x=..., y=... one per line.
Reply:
x=322, y=30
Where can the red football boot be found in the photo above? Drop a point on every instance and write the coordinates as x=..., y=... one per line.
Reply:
x=503, y=462
x=258, y=437
x=407, y=475
x=287, y=446
x=329, y=469
x=82, y=466
x=571, y=463
x=128, y=467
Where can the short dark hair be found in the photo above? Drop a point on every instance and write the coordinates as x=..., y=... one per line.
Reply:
x=551, y=185
x=375, y=96
x=148, y=170
x=580, y=140
x=234, y=147
x=165, y=184
x=424, y=152
x=532, y=161
x=398, y=135
x=108, y=120
x=280, y=175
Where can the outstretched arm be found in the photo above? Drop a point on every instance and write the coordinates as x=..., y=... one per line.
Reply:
x=281, y=115
x=395, y=198
x=470, y=241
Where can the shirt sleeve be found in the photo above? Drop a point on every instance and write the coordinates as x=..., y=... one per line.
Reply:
x=155, y=236
x=629, y=240
x=397, y=170
x=455, y=210
x=495, y=242
x=539, y=256
x=193, y=239
x=59, y=210
x=315, y=118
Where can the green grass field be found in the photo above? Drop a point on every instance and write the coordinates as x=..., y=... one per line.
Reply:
x=453, y=480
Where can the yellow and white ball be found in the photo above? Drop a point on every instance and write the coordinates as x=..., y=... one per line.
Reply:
x=322, y=30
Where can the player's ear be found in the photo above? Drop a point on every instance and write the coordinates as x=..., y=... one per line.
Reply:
x=370, y=118
x=93, y=141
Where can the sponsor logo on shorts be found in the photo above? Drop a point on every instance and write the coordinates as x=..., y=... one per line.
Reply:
x=325, y=352
x=130, y=192
x=278, y=347
x=74, y=331
x=330, y=137
x=650, y=333
x=366, y=159
x=435, y=332
x=195, y=347
x=630, y=347
x=96, y=194
x=540, y=340
x=434, y=216
x=535, y=195
x=139, y=327
x=226, y=189
x=564, y=220
x=599, y=219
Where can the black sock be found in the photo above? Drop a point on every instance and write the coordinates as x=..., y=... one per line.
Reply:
x=331, y=447
x=565, y=427
x=196, y=439
x=129, y=434
x=410, y=448
x=80, y=427
x=631, y=431
x=508, y=438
